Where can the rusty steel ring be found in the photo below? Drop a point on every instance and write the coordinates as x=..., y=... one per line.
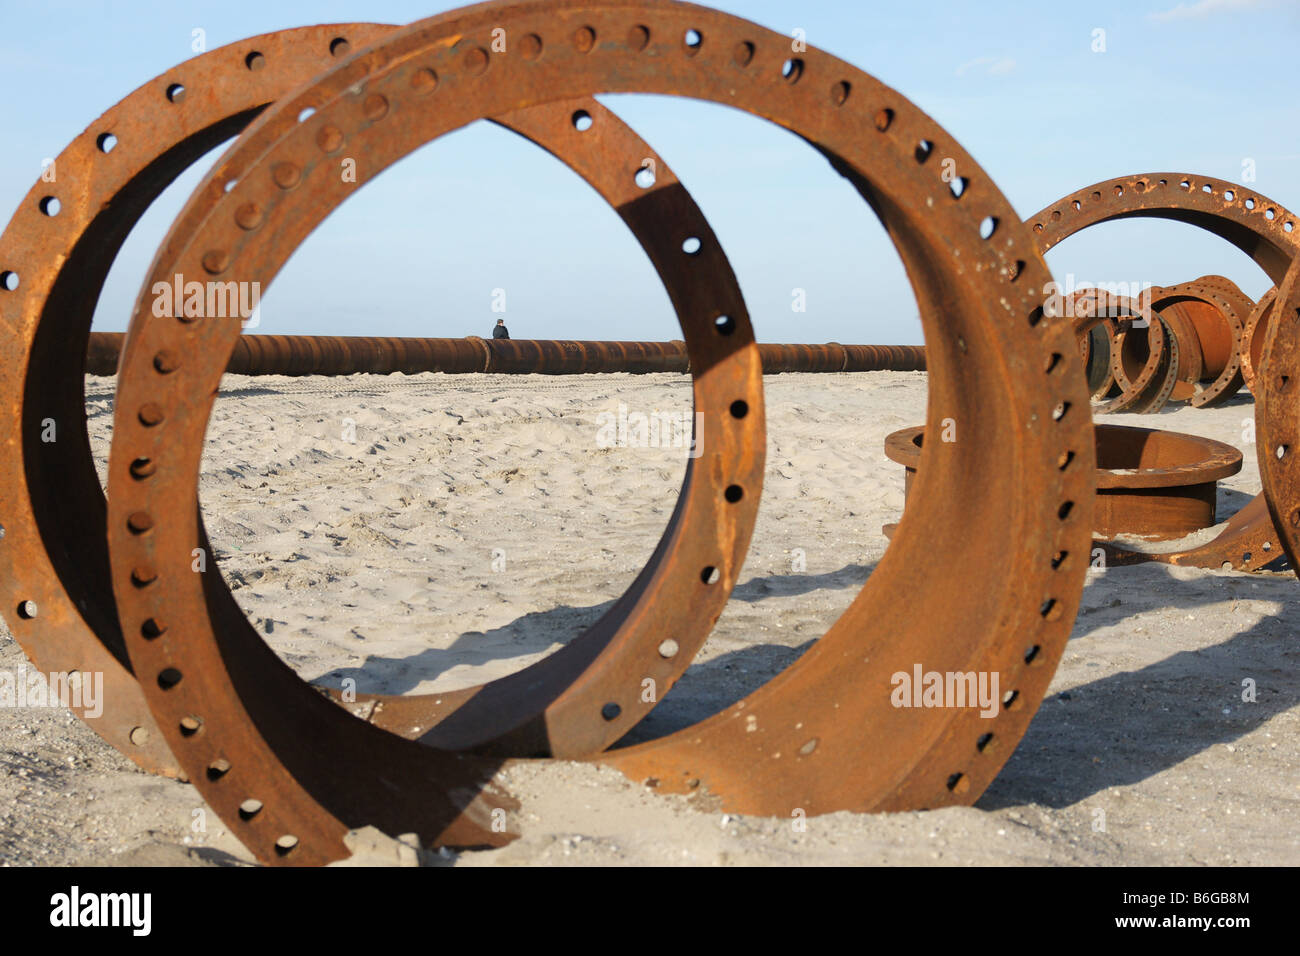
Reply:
x=1191, y=361
x=1277, y=411
x=1151, y=484
x=53, y=559
x=1252, y=348
x=1094, y=350
x=60, y=605
x=1145, y=381
x=1212, y=312
x=1256, y=225
x=822, y=736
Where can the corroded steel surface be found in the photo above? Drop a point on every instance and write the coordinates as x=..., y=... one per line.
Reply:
x=54, y=558
x=1151, y=484
x=1252, y=349
x=1255, y=224
x=824, y=735
x=1144, y=360
x=1210, y=314
x=349, y=355
x=1277, y=412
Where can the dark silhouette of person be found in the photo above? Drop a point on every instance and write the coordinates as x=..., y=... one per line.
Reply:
x=500, y=331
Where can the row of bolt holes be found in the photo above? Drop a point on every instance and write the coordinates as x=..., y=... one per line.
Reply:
x=169, y=678
x=791, y=70
x=1228, y=196
x=106, y=142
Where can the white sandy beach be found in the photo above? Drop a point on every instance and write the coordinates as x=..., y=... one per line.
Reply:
x=473, y=525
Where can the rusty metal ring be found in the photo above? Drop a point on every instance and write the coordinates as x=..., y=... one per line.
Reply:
x=53, y=558
x=1151, y=484
x=1277, y=411
x=1215, y=310
x=1259, y=227
x=1191, y=361
x=802, y=741
x=66, y=619
x=1253, y=338
x=1094, y=351
x=1141, y=389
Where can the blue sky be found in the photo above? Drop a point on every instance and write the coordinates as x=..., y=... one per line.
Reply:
x=1194, y=86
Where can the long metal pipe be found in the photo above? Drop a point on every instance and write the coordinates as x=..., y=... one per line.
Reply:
x=348, y=355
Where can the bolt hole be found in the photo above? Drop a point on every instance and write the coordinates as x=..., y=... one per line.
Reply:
x=1010, y=699
x=1270, y=214
x=710, y=575
x=792, y=70
x=339, y=46
x=1058, y=559
x=692, y=246
x=645, y=177
x=734, y=493
x=152, y=629
x=9, y=280
x=191, y=726
x=249, y=809
x=169, y=678
x=254, y=61
x=306, y=114
x=1063, y=512
x=692, y=39
x=883, y=119
x=1282, y=450
x=958, y=186
x=175, y=93
x=988, y=226
x=1250, y=203
x=1059, y=411
x=50, y=206
x=725, y=324
x=739, y=408
x=611, y=711
x=218, y=768
x=668, y=648
x=1032, y=653
x=923, y=150
x=582, y=121
x=982, y=744
x=286, y=845
x=1053, y=363
x=106, y=142
x=27, y=610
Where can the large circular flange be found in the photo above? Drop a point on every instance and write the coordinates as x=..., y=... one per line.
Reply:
x=1277, y=413
x=997, y=367
x=1146, y=381
x=1095, y=346
x=58, y=639
x=1215, y=312
x=58, y=598
x=1151, y=484
x=1256, y=225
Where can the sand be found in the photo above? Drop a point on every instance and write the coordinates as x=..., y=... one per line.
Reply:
x=425, y=532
